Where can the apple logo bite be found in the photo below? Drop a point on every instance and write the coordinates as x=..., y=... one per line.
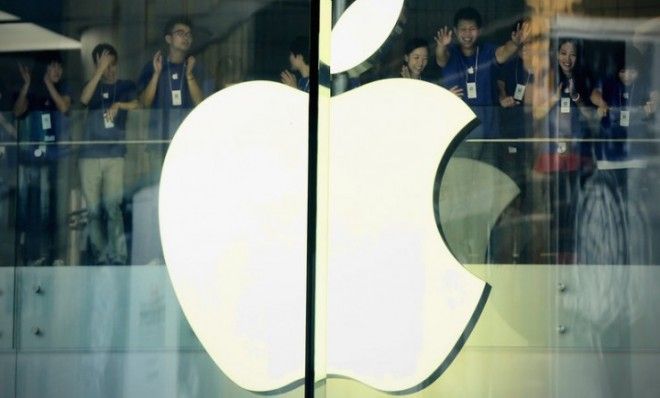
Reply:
x=233, y=200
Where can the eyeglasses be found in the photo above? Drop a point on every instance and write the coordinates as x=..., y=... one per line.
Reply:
x=182, y=33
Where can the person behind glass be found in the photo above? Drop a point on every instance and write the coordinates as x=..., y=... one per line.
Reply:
x=415, y=59
x=564, y=160
x=298, y=63
x=101, y=163
x=625, y=104
x=469, y=66
x=40, y=108
x=566, y=111
x=514, y=86
x=170, y=84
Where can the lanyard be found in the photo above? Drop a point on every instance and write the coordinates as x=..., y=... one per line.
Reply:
x=169, y=77
x=465, y=68
x=622, y=93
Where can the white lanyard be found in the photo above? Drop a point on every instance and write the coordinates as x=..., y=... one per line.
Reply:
x=114, y=95
x=475, y=68
x=169, y=76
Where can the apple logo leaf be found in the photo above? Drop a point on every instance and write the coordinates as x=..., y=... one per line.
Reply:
x=361, y=30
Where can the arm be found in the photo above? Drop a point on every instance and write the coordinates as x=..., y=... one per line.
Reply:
x=62, y=102
x=102, y=62
x=508, y=49
x=149, y=93
x=598, y=100
x=21, y=104
x=442, y=40
x=124, y=106
x=195, y=91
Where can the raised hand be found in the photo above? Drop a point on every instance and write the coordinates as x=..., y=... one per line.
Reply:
x=457, y=90
x=111, y=113
x=25, y=74
x=289, y=79
x=405, y=72
x=443, y=37
x=521, y=34
x=190, y=66
x=602, y=111
x=104, y=60
x=158, y=62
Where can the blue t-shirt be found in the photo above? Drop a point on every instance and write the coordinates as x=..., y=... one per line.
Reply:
x=166, y=115
x=96, y=128
x=42, y=126
x=517, y=120
x=621, y=98
x=480, y=68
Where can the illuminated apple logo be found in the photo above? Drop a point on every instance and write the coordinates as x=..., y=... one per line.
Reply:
x=233, y=208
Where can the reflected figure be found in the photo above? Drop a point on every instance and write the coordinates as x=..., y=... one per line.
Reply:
x=41, y=108
x=102, y=157
x=611, y=227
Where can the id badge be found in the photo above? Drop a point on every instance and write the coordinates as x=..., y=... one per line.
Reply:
x=176, y=97
x=565, y=105
x=45, y=121
x=107, y=122
x=624, y=120
x=472, y=90
x=520, y=92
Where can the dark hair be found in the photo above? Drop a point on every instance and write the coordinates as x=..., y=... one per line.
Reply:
x=181, y=20
x=629, y=57
x=414, y=43
x=581, y=79
x=98, y=50
x=300, y=46
x=48, y=57
x=468, y=14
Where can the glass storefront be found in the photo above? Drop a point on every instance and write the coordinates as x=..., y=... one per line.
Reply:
x=485, y=181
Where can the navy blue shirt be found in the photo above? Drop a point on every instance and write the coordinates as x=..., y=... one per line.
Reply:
x=43, y=125
x=95, y=127
x=165, y=117
x=480, y=68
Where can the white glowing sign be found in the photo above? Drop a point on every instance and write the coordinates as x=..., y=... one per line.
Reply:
x=233, y=208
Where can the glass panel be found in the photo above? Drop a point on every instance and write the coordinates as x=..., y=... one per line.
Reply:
x=550, y=200
x=91, y=96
